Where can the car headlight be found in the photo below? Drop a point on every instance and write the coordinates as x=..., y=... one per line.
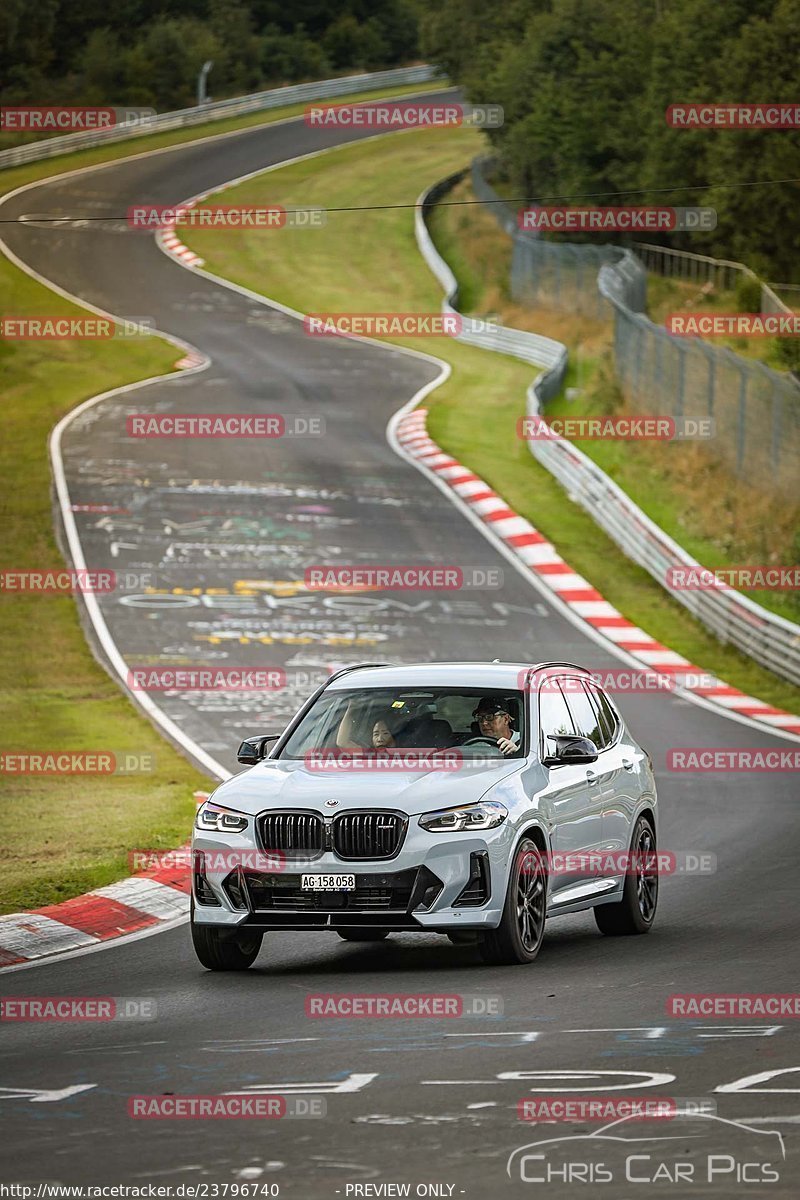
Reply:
x=486, y=815
x=212, y=818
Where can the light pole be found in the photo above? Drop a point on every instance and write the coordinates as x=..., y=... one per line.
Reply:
x=202, y=78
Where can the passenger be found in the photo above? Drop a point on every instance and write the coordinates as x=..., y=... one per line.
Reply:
x=381, y=736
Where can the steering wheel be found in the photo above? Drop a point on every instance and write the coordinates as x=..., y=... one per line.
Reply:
x=479, y=738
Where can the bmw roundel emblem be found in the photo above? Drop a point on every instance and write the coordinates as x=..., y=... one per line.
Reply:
x=331, y=803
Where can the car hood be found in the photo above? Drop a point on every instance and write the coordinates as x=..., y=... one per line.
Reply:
x=293, y=785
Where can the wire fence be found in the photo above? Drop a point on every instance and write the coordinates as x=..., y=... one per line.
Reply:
x=751, y=410
x=767, y=638
x=565, y=276
x=699, y=269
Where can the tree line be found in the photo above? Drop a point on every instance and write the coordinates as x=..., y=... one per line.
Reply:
x=585, y=85
x=148, y=53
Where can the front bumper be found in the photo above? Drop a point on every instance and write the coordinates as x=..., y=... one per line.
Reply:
x=417, y=889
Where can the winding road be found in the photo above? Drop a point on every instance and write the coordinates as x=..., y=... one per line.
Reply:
x=217, y=528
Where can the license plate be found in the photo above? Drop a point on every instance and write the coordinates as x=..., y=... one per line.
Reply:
x=328, y=883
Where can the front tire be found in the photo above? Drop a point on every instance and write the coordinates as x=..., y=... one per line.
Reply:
x=217, y=950
x=636, y=911
x=519, y=935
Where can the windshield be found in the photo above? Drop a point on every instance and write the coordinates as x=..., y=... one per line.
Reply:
x=381, y=720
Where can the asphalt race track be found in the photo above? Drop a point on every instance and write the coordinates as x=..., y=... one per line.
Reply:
x=424, y=1102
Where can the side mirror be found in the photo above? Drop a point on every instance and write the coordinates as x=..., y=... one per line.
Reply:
x=253, y=749
x=570, y=749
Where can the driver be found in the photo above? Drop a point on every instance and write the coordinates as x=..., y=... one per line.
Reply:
x=495, y=722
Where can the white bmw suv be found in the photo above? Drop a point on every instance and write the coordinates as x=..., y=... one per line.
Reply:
x=467, y=799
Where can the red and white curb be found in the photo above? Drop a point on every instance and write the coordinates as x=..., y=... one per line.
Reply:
x=192, y=359
x=169, y=241
x=129, y=906
x=140, y=903
x=585, y=602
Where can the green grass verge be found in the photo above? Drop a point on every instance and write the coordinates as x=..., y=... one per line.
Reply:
x=65, y=835
x=371, y=263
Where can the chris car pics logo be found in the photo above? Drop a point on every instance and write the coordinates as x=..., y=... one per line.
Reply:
x=639, y=1151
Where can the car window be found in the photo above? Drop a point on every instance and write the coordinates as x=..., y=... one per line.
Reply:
x=605, y=731
x=584, y=715
x=386, y=719
x=554, y=716
x=607, y=714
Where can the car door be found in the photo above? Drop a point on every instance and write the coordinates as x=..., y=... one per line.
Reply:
x=571, y=802
x=624, y=759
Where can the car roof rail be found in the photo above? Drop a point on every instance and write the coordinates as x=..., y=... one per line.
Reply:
x=560, y=663
x=353, y=667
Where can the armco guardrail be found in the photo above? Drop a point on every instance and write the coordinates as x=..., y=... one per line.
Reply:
x=324, y=89
x=540, y=351
x=767, y=638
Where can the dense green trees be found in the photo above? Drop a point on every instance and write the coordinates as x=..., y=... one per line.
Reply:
x=148, y=52
x=585, y=85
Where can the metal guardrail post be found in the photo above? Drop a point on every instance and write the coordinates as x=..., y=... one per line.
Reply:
x=711, y=359
x=777, y=421
x=679, y=393
x=742, y=417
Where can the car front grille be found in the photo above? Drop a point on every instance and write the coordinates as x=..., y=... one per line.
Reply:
x=367, y=835
x=293, y=833
x=372, y=893
x=353, y=836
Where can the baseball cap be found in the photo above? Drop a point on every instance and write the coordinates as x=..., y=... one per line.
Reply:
x=489, y=706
